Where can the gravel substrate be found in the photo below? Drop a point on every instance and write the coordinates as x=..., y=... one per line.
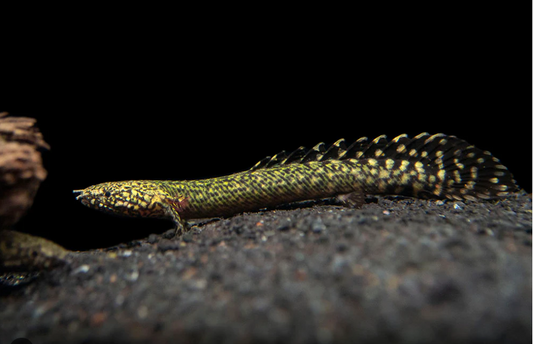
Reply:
x=395, y=271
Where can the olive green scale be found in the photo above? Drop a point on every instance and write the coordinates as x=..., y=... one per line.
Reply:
x=435, y=166
x=252, y=190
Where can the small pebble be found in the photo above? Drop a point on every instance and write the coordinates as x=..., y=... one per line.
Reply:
x=133, y=276
x=284, y=226
x=318, y=226
x=168, y=245
x=152, y=238
x=341, y=247
x=81, y=269
x=187, y=237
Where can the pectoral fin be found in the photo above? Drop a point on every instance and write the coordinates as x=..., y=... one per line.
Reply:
x=175, y=209
x=354, y=199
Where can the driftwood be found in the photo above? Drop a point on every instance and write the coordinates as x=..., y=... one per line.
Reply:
x=21, y=174
x=21, y=168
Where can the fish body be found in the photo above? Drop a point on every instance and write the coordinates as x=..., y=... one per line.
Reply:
x=426, y=166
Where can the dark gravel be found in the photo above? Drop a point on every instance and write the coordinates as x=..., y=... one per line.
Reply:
x=395, y=271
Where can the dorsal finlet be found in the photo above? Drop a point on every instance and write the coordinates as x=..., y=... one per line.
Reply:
x=461, y=169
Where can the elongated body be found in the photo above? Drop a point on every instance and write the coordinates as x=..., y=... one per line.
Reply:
x=437, y=166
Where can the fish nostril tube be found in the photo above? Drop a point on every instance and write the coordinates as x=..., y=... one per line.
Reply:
x=78, y=193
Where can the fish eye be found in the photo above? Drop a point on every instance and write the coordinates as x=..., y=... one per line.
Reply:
x=107, y=194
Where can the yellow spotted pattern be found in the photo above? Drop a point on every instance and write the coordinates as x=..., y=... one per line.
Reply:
x=427, y=165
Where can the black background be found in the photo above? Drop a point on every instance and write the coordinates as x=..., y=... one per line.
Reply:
x=123, y=96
